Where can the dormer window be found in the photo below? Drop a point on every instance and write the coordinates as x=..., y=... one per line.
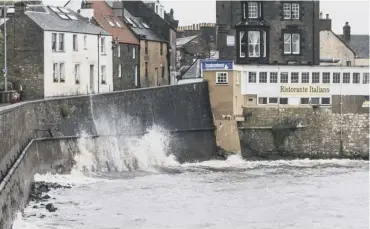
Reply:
x=251, y=10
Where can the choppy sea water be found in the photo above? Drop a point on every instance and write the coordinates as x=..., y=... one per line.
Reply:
x=235, y=193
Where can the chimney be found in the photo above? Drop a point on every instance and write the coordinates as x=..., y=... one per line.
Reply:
x=327, y=16
x=19, y=8
x=117, y=8
x=347, y=32
x=321, y=15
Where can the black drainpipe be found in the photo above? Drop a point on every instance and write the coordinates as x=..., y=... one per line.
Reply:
x=313, y=33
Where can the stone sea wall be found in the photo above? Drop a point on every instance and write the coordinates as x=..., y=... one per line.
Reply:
x=182, y=110
x=304, y=132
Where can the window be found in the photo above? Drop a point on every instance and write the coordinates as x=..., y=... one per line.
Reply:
x=305, y=77
x=291, y=43
x=356, y=77
x=85, y=42
x=61, y=42
x=146, y=47
x=145, y=25
x=136, y=77
x=294, y=77
x=119, y=71
x=242, y=44
x=221, y=78
x=283, y=100
x=315, y=101
x=156, y=8
x=54, y=42
x=162, y=68
x=348, y=63
x=102, y=45
x=55, y=72
x=253, y=10
x=273, y=77
x=262, y=100
x=254, y=43
x=273, y=100
x=118, y=23
x=103, y=74
x=326, y=77
x=75, y=45
x=365, y=79
x=316, y=77
x=77, y=73
x=161, y=49
x=305, y=101
x=336, y=77
x=118, y=50
x=61, y=73
x=110, y=22
x=252, y=77
x=263, y=77
x=133, y=52
x=325, y=101
x=291, y=11
x=284, y=77
x=146, y=69
x=346, y=77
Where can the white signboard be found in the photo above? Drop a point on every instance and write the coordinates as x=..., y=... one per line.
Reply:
x=230, y=40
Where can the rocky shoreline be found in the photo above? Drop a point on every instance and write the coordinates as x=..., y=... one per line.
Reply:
x=39, y=194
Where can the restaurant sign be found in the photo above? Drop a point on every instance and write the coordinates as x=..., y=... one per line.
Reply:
x=304, y=89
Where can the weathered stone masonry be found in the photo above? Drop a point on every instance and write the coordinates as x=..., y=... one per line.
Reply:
x=183, y=110
x=273, y=132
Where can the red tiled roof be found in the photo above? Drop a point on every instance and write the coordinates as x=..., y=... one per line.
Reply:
x=102, y=12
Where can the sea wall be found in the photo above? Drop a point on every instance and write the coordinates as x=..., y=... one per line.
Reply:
x=182, y=110
x=304, y=132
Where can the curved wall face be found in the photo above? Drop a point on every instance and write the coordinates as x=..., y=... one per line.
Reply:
x=182, y=110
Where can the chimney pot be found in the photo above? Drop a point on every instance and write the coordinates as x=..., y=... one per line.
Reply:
x=321, y=15
x=347, y=32
x=327, y=16
x=19, y=8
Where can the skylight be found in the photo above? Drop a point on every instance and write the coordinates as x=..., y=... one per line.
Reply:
x=63, y=16
x=64, y=10
x=136, y=22
x=110, y=22
x=118, y=23
x=145, y=25
x=131, y=22
x=73, y=17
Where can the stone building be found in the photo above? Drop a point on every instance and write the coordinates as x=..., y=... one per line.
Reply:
x=164, y=28
x=197, y=41
x=333, y=51
x=52, y=51
x=359, y=43
x=269, y=32
x=109, y=16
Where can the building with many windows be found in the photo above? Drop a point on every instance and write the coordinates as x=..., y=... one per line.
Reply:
x=52, y=51
x=269, y=32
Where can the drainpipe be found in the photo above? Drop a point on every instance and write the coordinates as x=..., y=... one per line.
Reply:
x=99, y=35
x=341, y=113
x=313, y=32
x=5, y=51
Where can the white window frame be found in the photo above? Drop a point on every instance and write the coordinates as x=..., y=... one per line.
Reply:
x=253, y=10
x=287, y=11
x=326, y=77
x=102, y=46
x=336, y=77
x=54, y=43
x=241, y=51
x=365, y=78
x=287, y=43
x=133, y=52
x=291, y=77
x=61, y=42
x=268, y=100
x=118, y=50
x=136, y=76
x=325, y=98
x=304, y=75
x=275, y=74
x=254, y=43
x=119, y=70
x=62, y=70
x=314, y=75
x=295, y=11
x=346, y=75
x=77, y=73
x=75, y=42
x=55, y=73
x=293, y=41
x=262, y=75
x=250, y=75
x=284, y=74
x=264, y=104
x=358, y=77
x=103, y=74
x=222, y=78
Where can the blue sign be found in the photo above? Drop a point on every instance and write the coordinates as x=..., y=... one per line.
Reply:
x=217, y=65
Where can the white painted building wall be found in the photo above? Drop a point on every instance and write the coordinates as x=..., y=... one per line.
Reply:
x=85, y=56
x=273, y=89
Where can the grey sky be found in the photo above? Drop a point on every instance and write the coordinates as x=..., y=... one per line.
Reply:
x=195, y=11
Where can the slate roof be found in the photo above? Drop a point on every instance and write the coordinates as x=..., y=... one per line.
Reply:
x=359, y=44
x=48, y=20
x=184, y=40
x=104, y=12
x=140, y=30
